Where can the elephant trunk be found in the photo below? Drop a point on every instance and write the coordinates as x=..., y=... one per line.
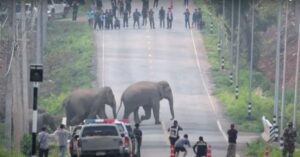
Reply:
x=170, y=99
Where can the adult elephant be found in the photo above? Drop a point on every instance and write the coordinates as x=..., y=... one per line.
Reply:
x=147, y=95
x=88, y=103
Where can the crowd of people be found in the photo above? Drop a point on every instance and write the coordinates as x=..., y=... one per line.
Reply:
x=120, y=11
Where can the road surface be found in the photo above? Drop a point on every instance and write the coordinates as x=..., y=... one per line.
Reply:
x=129, y=55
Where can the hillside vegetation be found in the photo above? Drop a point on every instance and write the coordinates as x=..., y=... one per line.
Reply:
x=264, y=53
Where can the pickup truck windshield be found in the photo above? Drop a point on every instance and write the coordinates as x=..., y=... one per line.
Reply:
x=99, y=131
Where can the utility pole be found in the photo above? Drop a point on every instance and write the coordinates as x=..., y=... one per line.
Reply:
x=24, y=71
x=296, y=79
x=282, y=121
x=237, y=66
x=231, y=42
x=251, y=62
x=223, y=38
x=277, y=74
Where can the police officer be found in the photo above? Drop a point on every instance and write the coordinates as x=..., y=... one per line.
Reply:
x=138, y=135
x=162, y=14
x=174, y=132
x=125, y=18
x=289, y=139
x=187, y=18
x=136, y=18
x=200, y=148
x=169, y=19
x=151, y=19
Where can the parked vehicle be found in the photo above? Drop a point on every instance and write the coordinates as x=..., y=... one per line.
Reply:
x=57, y=8
x=100, y=140
x=125, y=128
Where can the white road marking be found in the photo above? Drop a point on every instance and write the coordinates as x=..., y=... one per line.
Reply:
x=206, y=89
x=201, y=74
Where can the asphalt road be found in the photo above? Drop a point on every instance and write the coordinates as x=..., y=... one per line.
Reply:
x=129, y=55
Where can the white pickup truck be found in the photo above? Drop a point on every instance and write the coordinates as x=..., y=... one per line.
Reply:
x=57, y=8
x=100, y=140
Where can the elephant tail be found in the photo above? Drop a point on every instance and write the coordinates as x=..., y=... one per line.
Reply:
x=120, y=105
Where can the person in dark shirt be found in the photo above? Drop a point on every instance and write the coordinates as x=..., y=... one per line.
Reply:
x=162, y=15
x=151, y=19
x=136, y=18
x=187, y=18
x=138, y=135
x=200, y=148
x=232, y=136
x=125, y=18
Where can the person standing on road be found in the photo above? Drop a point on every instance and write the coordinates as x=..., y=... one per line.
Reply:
x=125, y=19
x=63, y=136
x=162, y=14
x=180, y=145
x=43, y=143
x=128, y=6
x=232, y=136
x=169, y=19
x=136, y=18
x=195, y=18
x=138, y=135
x=187, y=18
x=174, y=132
x=97, y=21
x=151, y=19
x=200, y=148
x=289, y=139
x=121, y=7
x=75, y=11
x=145, y=16
x=91, y=15
x=155, y=4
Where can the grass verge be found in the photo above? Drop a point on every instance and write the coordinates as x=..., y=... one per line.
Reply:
x=68, y=62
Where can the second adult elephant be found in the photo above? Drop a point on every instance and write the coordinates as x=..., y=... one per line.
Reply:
x=88, y=103
x=147, y=95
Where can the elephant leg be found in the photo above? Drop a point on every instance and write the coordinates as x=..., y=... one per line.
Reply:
x=147, y=110
x=126, y=113
x=102, y=113
x=136, y=116
x=156, y=108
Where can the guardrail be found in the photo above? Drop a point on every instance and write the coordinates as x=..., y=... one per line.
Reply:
x=270, y=131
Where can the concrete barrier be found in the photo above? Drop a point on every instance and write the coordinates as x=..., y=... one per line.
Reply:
x=266, y=135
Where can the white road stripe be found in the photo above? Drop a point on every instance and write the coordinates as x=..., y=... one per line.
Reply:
x=206, y=89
